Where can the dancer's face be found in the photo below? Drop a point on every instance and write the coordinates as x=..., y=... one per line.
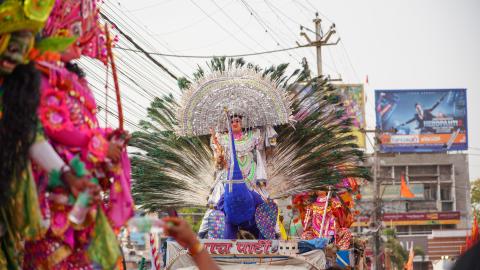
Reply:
x=16, y=51
x=236, y=124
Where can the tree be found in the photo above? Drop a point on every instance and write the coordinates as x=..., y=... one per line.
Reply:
x=397, y=253
x=475, y=194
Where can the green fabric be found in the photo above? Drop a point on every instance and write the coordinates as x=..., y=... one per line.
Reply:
x=104, y=247
x=54, y=179
x=55, y=44
x=55, y=176
x=21, y=218
x=78, y=166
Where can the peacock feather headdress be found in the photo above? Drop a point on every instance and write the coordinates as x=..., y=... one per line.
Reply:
x=238, y=89
x=315, y=148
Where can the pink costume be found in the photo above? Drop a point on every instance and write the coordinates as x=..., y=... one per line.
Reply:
x=68, y=114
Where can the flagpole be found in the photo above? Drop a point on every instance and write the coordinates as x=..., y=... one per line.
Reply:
x=325, y=209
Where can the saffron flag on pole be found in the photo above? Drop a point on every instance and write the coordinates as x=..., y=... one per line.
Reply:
x=405, y=190
x=473, y=238
x=409, y=263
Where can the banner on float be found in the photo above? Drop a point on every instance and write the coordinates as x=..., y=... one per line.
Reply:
x=241, y=247
x=433, y=120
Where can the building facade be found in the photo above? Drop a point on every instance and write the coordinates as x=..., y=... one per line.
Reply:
x=440, y=206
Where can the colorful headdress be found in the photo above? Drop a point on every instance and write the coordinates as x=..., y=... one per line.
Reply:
x=260, y=99
x=16, y=15
x=80, y=19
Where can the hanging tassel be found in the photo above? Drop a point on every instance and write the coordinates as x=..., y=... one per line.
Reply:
x=270, y=136
x=260, y=172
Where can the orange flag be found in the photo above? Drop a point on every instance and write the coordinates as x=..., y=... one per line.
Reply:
x=409, y=264
x=473, y=238
x=475, y=235
x=404, y=190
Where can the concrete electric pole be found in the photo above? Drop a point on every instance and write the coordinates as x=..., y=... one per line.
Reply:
x=377, y=201
x=320, y=40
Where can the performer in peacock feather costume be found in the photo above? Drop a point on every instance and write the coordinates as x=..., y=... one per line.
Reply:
x=289, y=134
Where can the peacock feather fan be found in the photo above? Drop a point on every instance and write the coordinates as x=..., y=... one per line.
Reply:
x=315, y=148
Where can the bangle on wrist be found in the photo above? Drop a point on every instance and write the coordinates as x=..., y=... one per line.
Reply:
x=195, y=249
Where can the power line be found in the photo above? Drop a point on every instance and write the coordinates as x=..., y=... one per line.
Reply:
x=238, y=26
x=136, y=45
x=149, y=6
x=221, y=26
x=190, y=24
x=133, y=27
x=262, y=23
x=211, y=56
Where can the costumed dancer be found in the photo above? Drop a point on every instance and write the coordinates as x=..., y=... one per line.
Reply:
x=241, y=203
x=324, y=216
x=68, y=114
x=309, y=145
x=250, y=153
x=21, y=135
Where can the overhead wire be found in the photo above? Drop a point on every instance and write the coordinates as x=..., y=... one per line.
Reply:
x=95, y=77
x=132, y=27
x=274, y=9
x=211, y=56
x=195, y=22
x=268, y=29
x=150, y=6
x=144, y=74
x=241, y=28
x=136, y=45
x=223, y=27
x=134, y=20
x=342, y=44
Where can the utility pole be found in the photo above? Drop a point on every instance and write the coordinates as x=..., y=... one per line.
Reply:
x=377, y=201
x=320, y=40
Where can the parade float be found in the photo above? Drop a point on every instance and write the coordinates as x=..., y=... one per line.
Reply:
x=270, y=156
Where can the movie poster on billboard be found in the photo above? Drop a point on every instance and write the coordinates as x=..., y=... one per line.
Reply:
x=422, y=120
x=353, y=101
x=352, y=97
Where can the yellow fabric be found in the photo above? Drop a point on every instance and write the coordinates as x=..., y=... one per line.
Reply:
x=283, y=232
x=16, y=15
x=4, y=39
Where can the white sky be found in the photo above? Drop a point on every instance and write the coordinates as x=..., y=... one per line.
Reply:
x=399, y=44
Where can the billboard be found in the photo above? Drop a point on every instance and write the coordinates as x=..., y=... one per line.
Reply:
x=422, y=120
x=353, y=99
x=354, y=103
